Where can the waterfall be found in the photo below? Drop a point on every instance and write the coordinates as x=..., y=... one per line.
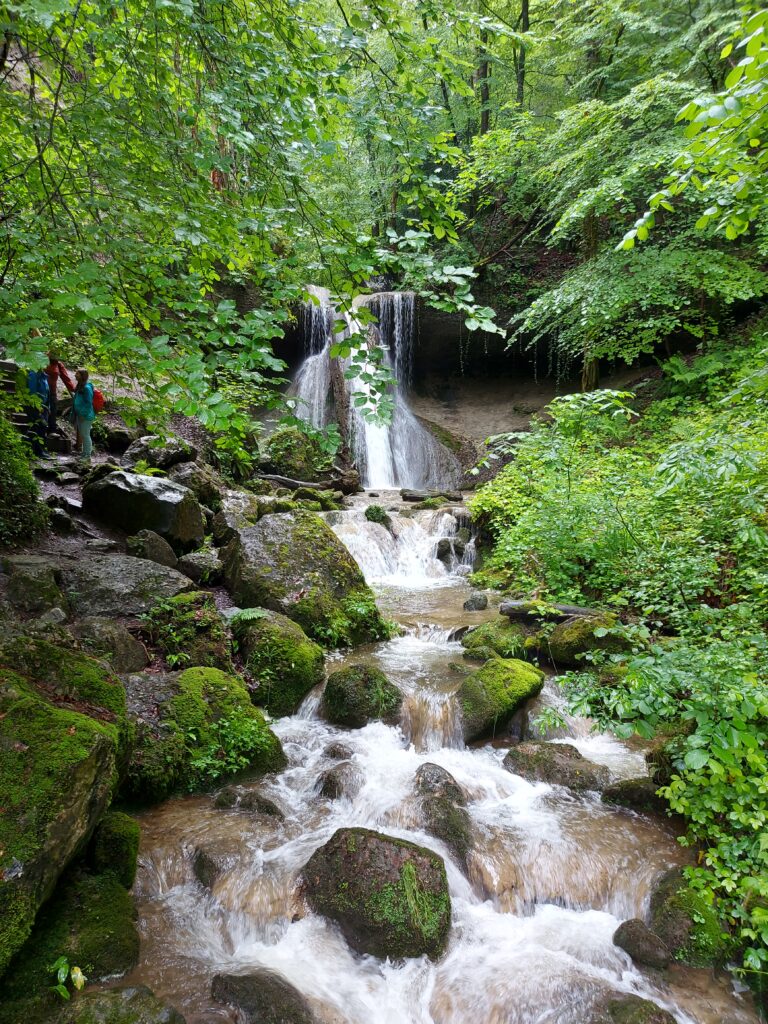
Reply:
x=401, y=453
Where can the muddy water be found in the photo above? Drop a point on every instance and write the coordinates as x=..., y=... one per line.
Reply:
x=550, y=875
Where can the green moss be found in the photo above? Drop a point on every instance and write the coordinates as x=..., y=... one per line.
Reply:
x=354, y=619
x=22, y=516
x=503, y=638
x=687, y=923
x=405, y=906
x=359, y=694
x=115, y=846
x=490, y=696
x=573, y=638
x=282, y=659
x=159, y=765
x=292, y=453
x=90, y=920
x=188, y=630
x=429, y=504
x=377, y=514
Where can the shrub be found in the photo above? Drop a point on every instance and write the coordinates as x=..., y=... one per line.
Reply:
x=21, y=514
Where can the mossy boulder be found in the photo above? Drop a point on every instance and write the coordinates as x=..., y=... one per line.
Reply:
x=293, y=563
x=203, y=567
x=134, y=1005
x=686, y=923
x=33, y=584
x=444, y=810
x=262, y=997
x=198, y=726
x=150, y=545
x=21, y=514
x=238, y=510
x=292, y=453
x=159, y=452
x=58, y=771
x=644, y=946
x=282, y=659
x=639, y=794
x=359, y=694
x=115, y=846
x=90, y=921
x=105, y=638
x=489, y=697
x=388, y=896
x=502, y=638
x=627, y=1009
x=189, y=631
x=342, y=780
x=378, y=514
x=559, y=764
x=569, y=641
x=204, y=482
x=118, y=585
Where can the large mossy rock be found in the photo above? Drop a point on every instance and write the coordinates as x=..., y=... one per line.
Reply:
x=189, y=631
x=262, y=997
x=135, y=1005
x=359, y=694
x=627, y=1009
x=293, y=563
x=292, y=453
x=282, y=659
x=58, y=771
x=237, y=510
x=150, y=545
x=389, y=897
x=132, y=502
x=115, y=846
x=105, y=638
x=204, y=482
x=638, y=794
x=490, y=696
x=194, y=728
x=569, y=641
x=686, y=923
x=444, y=809
x=502, y=638
x=559, y=764
x=90, y=921
x=33, y=585
x=159, y=453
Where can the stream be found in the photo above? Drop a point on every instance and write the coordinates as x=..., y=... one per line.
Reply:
x=550, y=875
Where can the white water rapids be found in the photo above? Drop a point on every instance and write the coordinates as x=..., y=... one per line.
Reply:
x=551, y=874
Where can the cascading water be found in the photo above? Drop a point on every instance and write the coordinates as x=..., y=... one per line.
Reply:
x=399, y=454
x=547, y=880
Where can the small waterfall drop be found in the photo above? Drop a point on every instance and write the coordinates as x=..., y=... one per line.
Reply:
x=401, y=453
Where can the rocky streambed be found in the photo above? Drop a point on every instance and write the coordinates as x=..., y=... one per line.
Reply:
x=376, y=831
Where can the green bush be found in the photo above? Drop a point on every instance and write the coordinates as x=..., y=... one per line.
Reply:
x=21, y=514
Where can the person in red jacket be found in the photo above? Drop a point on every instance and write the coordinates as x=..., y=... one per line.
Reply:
x=56, y=371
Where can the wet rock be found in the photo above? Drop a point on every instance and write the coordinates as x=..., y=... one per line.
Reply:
x=501, y=637
x=338, y=751
x=53, y=617
x=118, y=585
x=103, y=546
x=686, y=923
x=559, y=764
x=388, y=896
x=643, y=945
x=262, y=997
x=293, y=563
x=408, y=494
x=58, y=444
x=150, y=545
x=259, y=804
x=359, y=694
x=282, y=659
x=129, y=501
x=204, y=482
x=33, y=584
x=443, y=806
x=115, y=846
x=118, y=439
x=205, y=867
x=135, y=1005
x=107, y=638
x=569, y=641
x=444, y=550
x=159, y=453
x=189, y=631
x=57, y=770
x=627, y=1009
x=238, y=510
x=202, y=566
x=348, y=481
x=476, y=602
x=61, y=522
x=489, y=697
x=291, y=453
x=343, y=779
x=639, y=794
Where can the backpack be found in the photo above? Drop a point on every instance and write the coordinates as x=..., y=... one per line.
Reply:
x=37, y=382
x=98, y=400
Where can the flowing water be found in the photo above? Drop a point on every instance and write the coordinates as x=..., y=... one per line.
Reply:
x=548, y=880
x=401, y=453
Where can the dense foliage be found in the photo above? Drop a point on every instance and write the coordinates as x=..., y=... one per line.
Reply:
x=21, y=515
x=660, y=514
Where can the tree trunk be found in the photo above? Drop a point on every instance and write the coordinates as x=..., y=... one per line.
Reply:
x=525, y=24
x=483, y=79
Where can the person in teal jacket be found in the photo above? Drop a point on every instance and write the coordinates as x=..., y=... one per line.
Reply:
x=83, y=412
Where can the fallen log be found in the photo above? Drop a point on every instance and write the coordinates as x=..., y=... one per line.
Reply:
x=538, y=609
x=410, y=495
